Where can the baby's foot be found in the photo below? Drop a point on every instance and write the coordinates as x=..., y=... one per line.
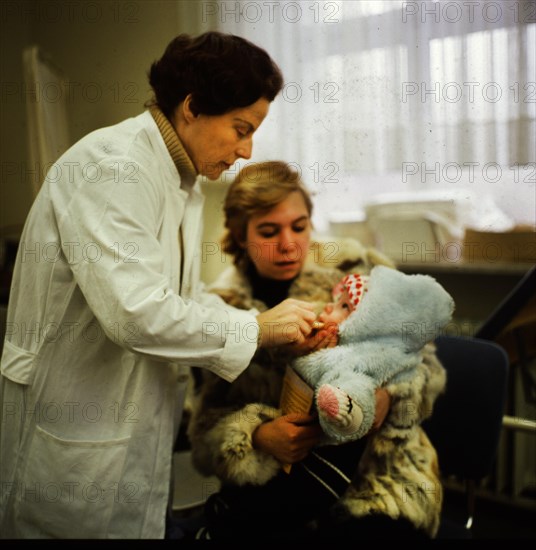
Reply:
x=339, y=409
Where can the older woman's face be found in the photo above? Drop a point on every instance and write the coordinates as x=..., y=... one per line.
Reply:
x=277, y=242
x=216, y=142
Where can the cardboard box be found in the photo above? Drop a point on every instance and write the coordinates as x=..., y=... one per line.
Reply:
x=517, y=245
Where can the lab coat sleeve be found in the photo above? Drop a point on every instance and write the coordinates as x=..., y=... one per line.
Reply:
x=109, y=232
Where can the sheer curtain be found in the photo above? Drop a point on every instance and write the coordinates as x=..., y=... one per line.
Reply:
x=391, y=96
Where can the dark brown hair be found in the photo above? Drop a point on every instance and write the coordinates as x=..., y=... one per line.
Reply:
x=222, y=72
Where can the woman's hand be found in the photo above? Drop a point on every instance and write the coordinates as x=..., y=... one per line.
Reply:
x=383, y=404
x=288, y=438
x=289, y=322
x=326, y=337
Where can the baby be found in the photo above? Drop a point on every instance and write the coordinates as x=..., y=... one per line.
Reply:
x=385, y=320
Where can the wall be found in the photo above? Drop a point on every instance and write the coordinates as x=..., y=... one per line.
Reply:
x=105, y=47
x=15, y=189
x=213, y=259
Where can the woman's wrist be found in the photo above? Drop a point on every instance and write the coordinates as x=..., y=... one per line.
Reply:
x=383, y=404
x=259, y=336
x=256, y=438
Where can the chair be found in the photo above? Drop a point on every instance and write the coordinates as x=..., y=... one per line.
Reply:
x=466, y=422
x=190, y=488
x=512, y=325
x=513, y=311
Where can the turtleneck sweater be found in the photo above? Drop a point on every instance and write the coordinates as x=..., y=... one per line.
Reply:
x=185, y=166
x=183, y=163
x=269, y=291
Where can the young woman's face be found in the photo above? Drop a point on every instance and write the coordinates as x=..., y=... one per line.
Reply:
x=216, y=142
x=277, y=242
x=337, y=312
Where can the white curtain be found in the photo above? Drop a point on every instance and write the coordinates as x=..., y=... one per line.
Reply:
x=391, y=96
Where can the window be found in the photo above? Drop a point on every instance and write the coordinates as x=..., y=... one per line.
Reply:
x=395, y=95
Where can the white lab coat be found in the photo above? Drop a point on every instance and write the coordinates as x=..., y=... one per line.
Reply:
x=100, y=334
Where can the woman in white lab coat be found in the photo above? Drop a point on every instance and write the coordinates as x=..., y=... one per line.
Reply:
x=106, y=312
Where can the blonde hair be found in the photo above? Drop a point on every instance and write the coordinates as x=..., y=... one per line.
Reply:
x=257, y=188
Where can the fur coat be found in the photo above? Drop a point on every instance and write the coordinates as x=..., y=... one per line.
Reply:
x=398, y=472
x=379, y=343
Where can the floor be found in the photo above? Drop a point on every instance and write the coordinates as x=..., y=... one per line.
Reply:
x=493, y=520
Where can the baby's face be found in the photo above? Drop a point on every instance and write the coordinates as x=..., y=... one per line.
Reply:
x=337, y=312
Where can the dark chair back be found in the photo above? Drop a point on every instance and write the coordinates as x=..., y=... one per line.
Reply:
x=466, y=422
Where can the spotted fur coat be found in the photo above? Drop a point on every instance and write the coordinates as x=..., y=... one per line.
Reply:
x=398, y=472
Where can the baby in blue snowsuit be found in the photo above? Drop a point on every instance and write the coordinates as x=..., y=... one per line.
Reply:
x=385, y=321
